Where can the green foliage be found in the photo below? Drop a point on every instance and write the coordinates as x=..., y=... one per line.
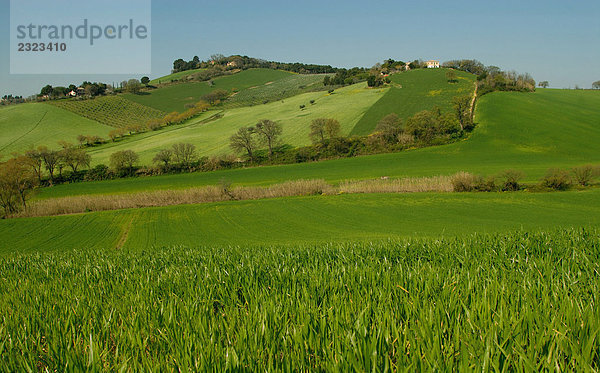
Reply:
x=498, y=302
x=124, y=160
x=114, y=111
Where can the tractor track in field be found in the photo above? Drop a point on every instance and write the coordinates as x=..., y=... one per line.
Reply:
x=26, y=133
x=124, y=235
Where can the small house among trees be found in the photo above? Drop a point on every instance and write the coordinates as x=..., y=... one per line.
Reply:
x=433, y=64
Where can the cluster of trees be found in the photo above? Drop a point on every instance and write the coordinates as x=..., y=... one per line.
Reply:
x=245, y=62
x=492, y=78
x=248, y=139
x=347, y=76
x=23, y=172
x=10, y=99
x=91, y=90
x=596, y=84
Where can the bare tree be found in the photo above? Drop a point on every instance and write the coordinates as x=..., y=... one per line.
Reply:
x=17, y=179
x=36, y=162
x=244, y=140
x=317, y=130
x=124, y=160
x=184, y=154
x=269, y=132
x=164, y=156
x=75, y=157
x=390, y=127
x=51, y=159
x=332, y=128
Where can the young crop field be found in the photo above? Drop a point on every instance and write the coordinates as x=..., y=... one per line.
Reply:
x=277, y=90
x=29, y=125
x=542, y=130
x=414, y=91
x=524, y=301
x=114, y=111
x=346, y=105
x=314, y=219
x=174, y=97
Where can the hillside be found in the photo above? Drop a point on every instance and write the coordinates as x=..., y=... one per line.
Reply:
x=26, y=125
x=174, y=97
x=114, y=111
x=413, y=91
x=548, y=128
x=347, y=105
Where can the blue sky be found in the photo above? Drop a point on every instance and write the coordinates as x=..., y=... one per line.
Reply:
x=553, y=40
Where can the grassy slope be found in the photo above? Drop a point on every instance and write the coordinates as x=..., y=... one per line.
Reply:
x=347, y=105
x=174, y=97
x=26, y=125
x=530, y=132
x=305, y=219
x=414, y=91
x=174, y=76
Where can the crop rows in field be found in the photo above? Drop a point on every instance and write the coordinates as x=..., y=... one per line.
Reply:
x=277, y=90
x=516, y=302
x=114, y=111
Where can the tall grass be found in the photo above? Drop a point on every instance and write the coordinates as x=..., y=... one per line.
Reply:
x=86, y=203
x=515, y=302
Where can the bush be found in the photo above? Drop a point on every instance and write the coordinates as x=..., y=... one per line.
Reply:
x=483, y=184
x=511, y=180
x=557, y=179
x=583, y=175
x=98, y=173
x=463, y=182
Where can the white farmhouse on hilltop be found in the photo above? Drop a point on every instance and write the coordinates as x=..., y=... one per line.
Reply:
x=433, y=64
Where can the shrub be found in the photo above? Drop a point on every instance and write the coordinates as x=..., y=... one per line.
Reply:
x=511, y=180
x=557, y=179
x=463, y=182
x=583, y=174
x=483, y=184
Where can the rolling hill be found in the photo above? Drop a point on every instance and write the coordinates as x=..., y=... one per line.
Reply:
x=538, y=131
x=414, y=91
x=30, y=125
x=346, y=105
x=174, y=97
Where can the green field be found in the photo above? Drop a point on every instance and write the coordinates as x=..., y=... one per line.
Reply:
x=30, y=125
x=545, y=129
x=174, y=97
x=114, y=111
x=305, y=220
x=414, y=91
x=512, y=302
x=346, y=105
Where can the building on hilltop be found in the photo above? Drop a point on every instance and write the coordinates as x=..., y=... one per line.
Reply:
x=433, y=64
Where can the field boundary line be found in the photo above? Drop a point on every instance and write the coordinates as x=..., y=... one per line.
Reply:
x=26, y=133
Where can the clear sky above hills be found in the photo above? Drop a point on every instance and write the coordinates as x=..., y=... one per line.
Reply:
x=553, y=40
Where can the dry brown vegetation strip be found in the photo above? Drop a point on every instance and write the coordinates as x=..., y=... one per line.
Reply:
x=79, y=204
